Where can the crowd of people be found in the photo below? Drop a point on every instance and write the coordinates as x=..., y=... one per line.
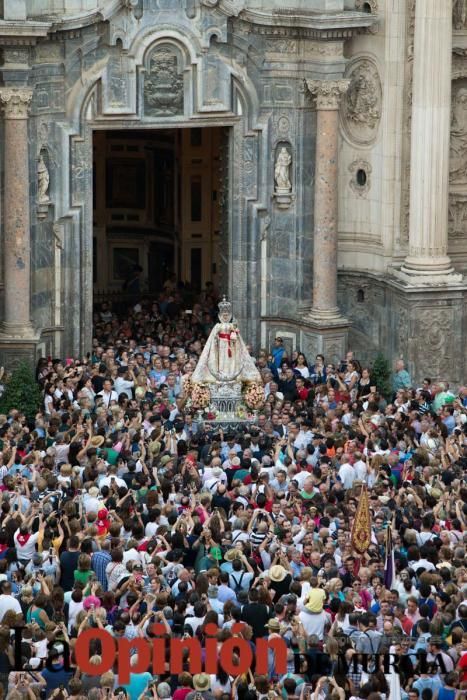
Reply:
x=121, y=509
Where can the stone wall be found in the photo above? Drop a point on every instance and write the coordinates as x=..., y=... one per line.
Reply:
x=242, y=65
x=155, y=64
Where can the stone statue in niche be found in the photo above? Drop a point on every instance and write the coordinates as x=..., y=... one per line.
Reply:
x=458, y=148
x=282, y=172
x=459, y=13
x=43, y=180
x=163, y=84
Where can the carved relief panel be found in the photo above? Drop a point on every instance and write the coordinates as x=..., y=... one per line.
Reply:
x=163, y=83
x=458, y=160
x=458, y=148
x=361, y=107
x=459, y=14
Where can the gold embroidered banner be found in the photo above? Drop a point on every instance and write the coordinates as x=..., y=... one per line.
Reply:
x=361, y=530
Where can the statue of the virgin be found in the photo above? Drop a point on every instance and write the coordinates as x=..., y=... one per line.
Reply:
x=225, y=357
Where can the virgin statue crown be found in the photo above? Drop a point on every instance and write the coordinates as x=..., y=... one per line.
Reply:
x=225, y=306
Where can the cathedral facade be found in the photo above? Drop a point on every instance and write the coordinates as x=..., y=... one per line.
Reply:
x=308, y=156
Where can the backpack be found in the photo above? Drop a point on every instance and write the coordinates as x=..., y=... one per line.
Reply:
x=238, y=584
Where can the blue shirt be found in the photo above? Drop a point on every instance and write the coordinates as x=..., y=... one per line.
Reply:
x=450, y=423
x=138, y=683
x=401, y=380
x=278, y=354
x=433, y=683
x=56, y=678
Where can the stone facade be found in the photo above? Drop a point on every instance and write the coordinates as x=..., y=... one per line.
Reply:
x=252, y=67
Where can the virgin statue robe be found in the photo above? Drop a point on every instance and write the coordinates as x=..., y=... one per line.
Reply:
x=225, y=358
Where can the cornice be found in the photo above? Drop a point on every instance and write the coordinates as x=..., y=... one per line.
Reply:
x=85, y=19
x=330, y=26
x=21, y=32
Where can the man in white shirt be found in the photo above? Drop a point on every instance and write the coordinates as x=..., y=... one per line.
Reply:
x=91, y=502
x=217, y=475
x=25, y=541
x=361, y=471
x=347, y=474
x=112, y=478
x=304, y=437
x=7, y=601
x=108, y=394
x=125, y=382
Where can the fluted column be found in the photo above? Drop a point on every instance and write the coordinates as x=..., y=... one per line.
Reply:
x=328, y=94
x=16, y=247
x=431, y=118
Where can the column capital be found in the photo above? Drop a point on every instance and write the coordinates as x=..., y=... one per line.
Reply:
x=328, y=93
x=16, y=102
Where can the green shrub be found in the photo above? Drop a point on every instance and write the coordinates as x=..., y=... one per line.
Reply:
x=381, y=376
x=21, y=392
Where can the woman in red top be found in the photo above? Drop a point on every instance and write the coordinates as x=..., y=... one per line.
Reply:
x=185, y=686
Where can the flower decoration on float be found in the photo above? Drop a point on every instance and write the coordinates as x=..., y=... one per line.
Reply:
x=200, y=396
x=254, y=395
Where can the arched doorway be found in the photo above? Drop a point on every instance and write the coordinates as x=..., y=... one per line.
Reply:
x=156, y=208
x=240, y=157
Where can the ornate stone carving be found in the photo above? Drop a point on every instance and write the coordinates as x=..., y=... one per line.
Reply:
x=457, y=215
x=43, y=180
x=434, y=340
x=283, y=125
x=459, y=14
x=402, y=332
x=14, y=56
x=458, y=147
x=362, y=6
x=265, y=224
x=322, y=49
x=163, y=84
x=328, y=93
x=361, y=109
x=407, y=120
x=59, y=234
x=359, y=183
x=16, y=102
x=231, y=8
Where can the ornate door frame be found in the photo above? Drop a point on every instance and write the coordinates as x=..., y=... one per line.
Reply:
x=243, y=161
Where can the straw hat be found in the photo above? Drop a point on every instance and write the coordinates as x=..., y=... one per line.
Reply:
x=201, y=682
x=273, y=625
x=277, y=573
x=97, y=441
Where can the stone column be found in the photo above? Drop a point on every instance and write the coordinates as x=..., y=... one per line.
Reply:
x=429, y=158
x=328, y=94
x=16, y=247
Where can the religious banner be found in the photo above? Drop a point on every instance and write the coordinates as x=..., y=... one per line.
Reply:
x=361, y=530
